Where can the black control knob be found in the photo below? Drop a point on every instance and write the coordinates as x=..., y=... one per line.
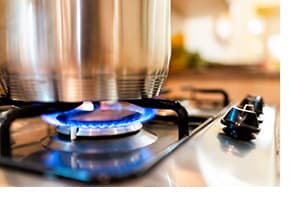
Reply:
x=256, y=102
x=241, y=124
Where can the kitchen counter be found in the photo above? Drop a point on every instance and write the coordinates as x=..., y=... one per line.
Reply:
x=237, y=81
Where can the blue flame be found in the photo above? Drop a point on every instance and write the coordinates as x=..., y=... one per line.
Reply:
x=139, y=115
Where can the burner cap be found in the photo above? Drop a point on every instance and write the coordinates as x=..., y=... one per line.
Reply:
x=100, y=146
x=91, y=131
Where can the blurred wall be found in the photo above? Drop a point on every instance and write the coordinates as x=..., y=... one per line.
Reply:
x=237, y=35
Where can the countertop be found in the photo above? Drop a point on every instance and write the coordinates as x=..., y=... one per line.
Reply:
x=237, y=81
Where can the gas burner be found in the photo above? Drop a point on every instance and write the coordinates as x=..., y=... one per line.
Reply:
x=30, y=144
x=91, y=157
x=100, y=119
x=100, y=145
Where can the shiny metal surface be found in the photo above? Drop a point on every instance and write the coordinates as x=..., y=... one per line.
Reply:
x=130, y=142
x=99, y=131
x=86, y=50
x=207, y=159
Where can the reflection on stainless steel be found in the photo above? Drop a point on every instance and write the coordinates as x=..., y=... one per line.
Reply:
x=86, y=50
x=232, y=146
x=121, y=144
x=84, y=166
x=239, y=164
x=86, y=131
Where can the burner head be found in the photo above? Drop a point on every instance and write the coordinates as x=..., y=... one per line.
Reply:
x=100, y=119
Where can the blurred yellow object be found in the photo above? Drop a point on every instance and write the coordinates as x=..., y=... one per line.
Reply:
x=178, y=61
x=178, y=57
x=268, y=10
x=177, y=40
x=181, y=58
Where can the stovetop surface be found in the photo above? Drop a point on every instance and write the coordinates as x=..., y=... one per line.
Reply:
x=206, y=158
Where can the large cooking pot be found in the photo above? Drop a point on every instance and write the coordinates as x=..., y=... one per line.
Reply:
x=78, y=50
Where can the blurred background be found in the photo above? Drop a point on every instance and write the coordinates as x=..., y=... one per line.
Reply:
x=228, y=44
x=226, y=32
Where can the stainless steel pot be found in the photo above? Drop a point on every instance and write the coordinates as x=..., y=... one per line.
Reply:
x=86, y=50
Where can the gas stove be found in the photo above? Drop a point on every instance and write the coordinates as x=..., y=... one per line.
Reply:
x=149, y=142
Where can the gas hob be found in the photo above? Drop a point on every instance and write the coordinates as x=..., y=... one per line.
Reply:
x=168, y=150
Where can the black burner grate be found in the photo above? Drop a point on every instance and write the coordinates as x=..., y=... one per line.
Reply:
x=170, y=133
x=148, y=157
